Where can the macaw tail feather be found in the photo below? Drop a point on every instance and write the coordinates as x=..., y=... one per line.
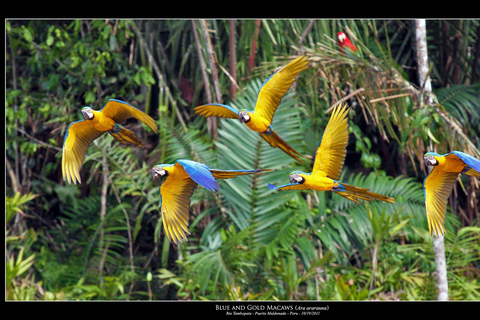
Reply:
x=126, y=137
x=226, y=174
x=276, y=141
x=356, y=193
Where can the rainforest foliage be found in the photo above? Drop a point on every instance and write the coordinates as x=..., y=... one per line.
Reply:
x=104, y=239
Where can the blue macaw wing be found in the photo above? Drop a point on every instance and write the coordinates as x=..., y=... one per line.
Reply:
x=200, y=173
x=470, y=161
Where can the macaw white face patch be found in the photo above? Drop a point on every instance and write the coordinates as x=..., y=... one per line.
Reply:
x=296, y=178
x=158, y=172
x=243, y=116
x=87, y=113
x=430, y=160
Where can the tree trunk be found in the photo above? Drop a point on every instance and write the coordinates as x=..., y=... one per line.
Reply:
x=424, y=81
x=232, y=57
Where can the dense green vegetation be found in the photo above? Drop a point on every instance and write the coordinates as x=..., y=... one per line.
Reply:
x=104, y=239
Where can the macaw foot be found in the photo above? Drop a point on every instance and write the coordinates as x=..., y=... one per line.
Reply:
x=116, y=129
x=337, y=187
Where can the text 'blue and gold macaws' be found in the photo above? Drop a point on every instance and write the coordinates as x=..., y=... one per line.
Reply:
x=269, y=97
x=81, y=133
x=328, y=163
x=438, y=184
x=181, y=179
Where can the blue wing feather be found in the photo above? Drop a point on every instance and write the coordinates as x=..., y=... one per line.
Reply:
x=200, y=173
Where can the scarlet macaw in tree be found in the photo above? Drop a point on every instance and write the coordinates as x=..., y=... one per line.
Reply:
x=81, y=133
x=181, y=179
x=328, y=163
x=269, y=97
x=438, y=184
x=346, y=46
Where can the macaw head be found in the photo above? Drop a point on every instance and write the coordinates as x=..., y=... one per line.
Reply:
x=87, y=113
x=160, y=171
x=295, y=177
x=243, y=116
x=341, y=37
x=429, y=159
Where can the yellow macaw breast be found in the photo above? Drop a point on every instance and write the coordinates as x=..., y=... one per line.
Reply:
x=257, y=123
x=101, y=122
x=317, y=182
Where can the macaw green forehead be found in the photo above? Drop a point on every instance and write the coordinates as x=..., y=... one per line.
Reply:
x=165, y=165
x=431, y=154
x=86, y=108
x=297, y=172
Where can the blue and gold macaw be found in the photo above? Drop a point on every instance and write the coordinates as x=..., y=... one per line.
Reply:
x=81, y=133
x=175, y=192
x=269, y=97
x=328, y=163
x=438, y=184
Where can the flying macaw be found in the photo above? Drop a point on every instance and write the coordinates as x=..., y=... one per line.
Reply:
x=346, y=46
x=269, y=97
x=81, y=133
x=328, y=164
x=181, y=179
x=438, y=184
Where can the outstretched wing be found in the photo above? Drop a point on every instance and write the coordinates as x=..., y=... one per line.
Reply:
x=437, y=187
x=78, y=137
x=200, y=173
x=275, y=87
x=332, y=148
x=227, y=174
x=176, y=195
x=470, y=161
x=121, y=111
x=216, y=110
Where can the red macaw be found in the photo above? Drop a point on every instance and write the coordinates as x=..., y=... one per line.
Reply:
x=346, y=46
